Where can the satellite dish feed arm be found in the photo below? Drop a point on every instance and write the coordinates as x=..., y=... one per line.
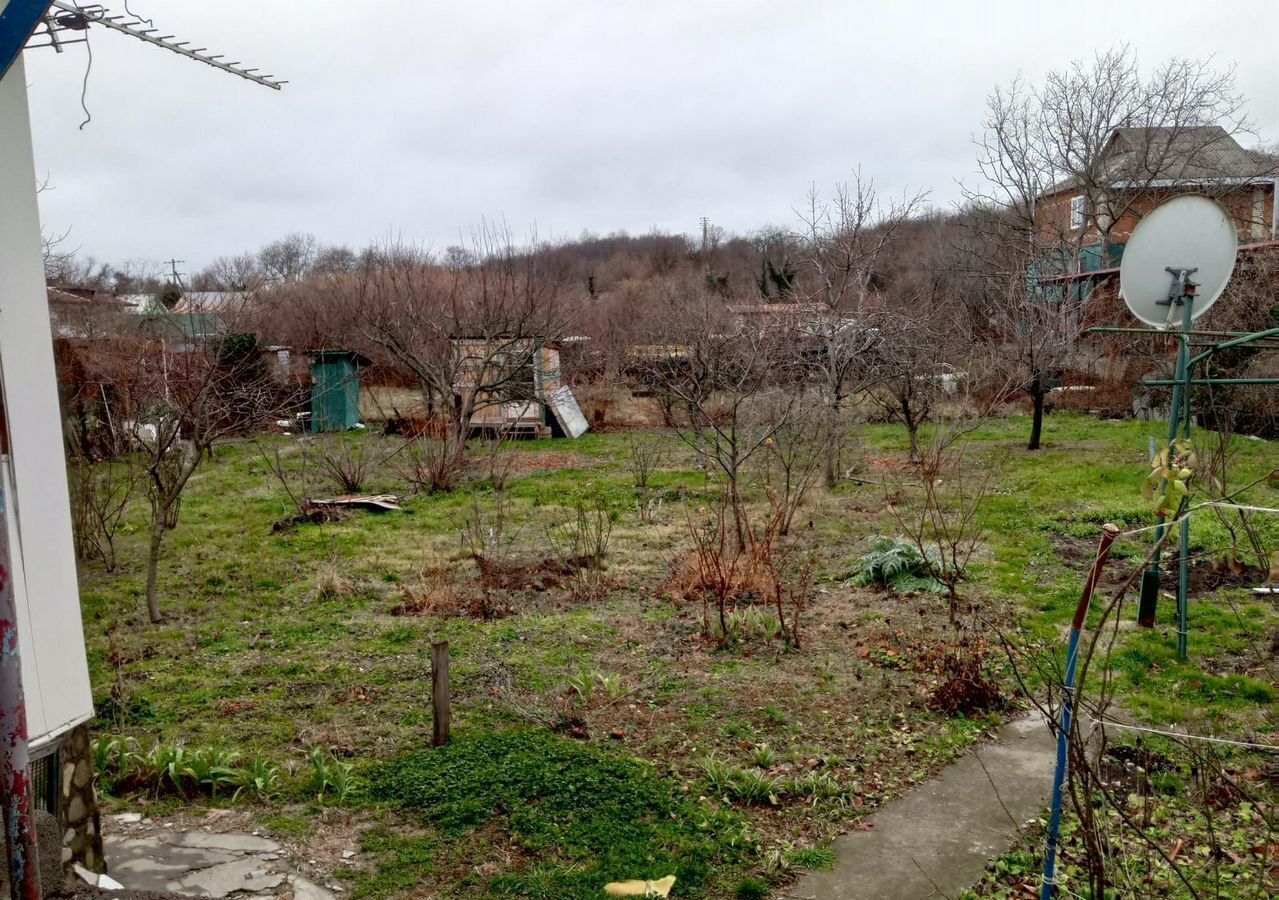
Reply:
x=1181, y=288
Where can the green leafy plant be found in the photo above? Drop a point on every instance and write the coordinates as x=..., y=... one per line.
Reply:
x=742, y=785
x=208, y=769
x=763, y=755
x=591, y=815
x=329, y=775
x=260, y=777
x=588, y=682
x=1167, y=485
x=896, y=564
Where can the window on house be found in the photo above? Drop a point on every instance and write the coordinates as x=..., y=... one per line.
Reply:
x=1078, y=211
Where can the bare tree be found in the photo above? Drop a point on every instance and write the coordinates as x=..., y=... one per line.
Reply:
x=177, y=395
x=471, y=336
x=841, y=243
x=734, y=387
x=288, y=259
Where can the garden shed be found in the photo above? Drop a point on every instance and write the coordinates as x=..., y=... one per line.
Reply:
x=534, y=402
x=335, y=390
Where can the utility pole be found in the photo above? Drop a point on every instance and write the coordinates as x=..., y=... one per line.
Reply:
x=706, y=232
x=174, y=275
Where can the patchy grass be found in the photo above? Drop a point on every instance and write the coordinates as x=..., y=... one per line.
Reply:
x=282, y=643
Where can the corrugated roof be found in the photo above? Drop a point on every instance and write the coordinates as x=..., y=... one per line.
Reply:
x=1192, y=155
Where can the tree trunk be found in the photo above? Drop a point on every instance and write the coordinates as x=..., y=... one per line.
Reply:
x=153, y=562
x=1037, y=416
x=832, y=440
x=912, y=429
x=739, y=518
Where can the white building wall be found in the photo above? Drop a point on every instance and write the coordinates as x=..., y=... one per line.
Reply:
x=54, y=668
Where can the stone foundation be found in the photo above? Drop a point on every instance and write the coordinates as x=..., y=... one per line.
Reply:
x=79, y=802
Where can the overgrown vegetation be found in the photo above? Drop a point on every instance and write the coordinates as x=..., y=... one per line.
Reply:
x=283, y=642
x=583, y=816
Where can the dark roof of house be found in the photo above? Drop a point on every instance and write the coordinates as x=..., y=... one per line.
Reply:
x=1191, y=155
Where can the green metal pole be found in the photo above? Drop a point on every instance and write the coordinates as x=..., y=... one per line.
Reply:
x=1149, y=598
x=1183, y=574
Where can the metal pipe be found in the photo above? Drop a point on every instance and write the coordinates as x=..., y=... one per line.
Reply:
x=15, y=787
x=1183, y=563
x=1108, y=534
x=1166, y=382
x=1237, y=342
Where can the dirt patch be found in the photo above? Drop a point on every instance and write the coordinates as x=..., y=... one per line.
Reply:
x=1206, y=577
x=312, y=515
x=541, y=575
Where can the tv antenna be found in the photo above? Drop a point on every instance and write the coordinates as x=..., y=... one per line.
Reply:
x=66, y=23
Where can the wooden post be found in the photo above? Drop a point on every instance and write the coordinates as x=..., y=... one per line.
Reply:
x=441, y=706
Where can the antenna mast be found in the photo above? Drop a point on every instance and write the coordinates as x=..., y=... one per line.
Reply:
x=79, y=18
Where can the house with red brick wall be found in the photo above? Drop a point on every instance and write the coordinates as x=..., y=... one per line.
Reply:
x=1089, y=217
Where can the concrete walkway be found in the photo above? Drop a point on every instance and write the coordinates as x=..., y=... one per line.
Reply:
x=937, y=839
x=202, y=863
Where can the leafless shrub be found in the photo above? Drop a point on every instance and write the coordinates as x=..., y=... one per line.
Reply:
x=947, y=525
x=431, y=467
x=644, y=456
x=349, y=463
x=100, y=494
x=585, y=535
x=793, y=460
x=488, y=531
x=725, y=576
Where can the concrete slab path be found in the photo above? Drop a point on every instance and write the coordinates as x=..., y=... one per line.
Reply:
x=937, y=839
x=202, y=863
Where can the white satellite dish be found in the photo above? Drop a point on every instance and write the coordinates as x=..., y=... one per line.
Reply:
x=1190, y=233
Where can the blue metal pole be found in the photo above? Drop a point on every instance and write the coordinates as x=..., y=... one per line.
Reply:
x=1108, y=534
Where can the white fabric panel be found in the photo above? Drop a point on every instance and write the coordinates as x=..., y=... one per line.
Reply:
x=54, y=669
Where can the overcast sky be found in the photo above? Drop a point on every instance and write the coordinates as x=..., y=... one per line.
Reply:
x=417, y=119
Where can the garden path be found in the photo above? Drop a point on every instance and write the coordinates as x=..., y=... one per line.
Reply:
x=937, y=839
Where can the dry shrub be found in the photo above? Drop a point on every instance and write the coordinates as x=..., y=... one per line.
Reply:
x=537, y=576
x=331, y=584
x=721, y=574
x=432, y=467
x=438, y=594
x=348, y=463
x=966, y=687
x=590, y=586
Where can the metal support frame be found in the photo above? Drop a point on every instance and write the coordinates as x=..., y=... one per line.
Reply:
x=1180, y=421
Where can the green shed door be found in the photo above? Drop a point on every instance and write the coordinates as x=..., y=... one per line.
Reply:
x=335, y=394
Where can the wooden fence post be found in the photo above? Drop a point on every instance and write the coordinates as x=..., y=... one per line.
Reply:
x=441, y=705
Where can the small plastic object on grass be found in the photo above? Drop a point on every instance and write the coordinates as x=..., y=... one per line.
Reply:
x=640, y=888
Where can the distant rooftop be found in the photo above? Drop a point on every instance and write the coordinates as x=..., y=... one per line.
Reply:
x=1193, y=155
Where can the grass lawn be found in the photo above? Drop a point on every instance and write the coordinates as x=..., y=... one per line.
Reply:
x=729, y=766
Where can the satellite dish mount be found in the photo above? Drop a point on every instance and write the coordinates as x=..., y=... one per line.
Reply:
x=1200, y=234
